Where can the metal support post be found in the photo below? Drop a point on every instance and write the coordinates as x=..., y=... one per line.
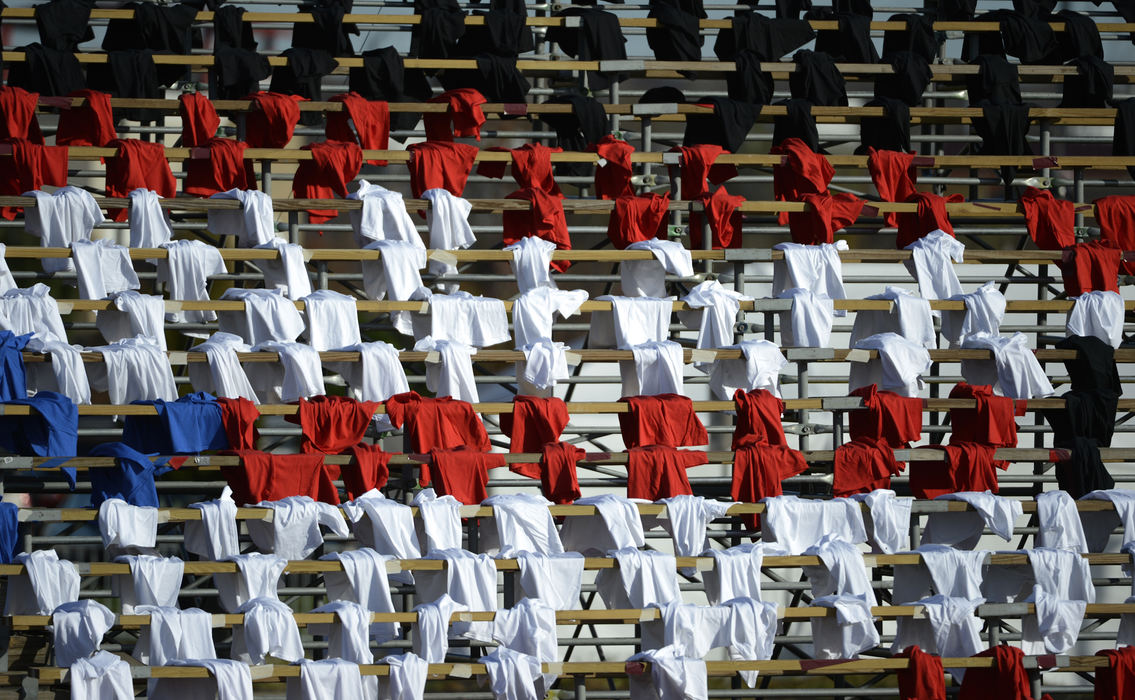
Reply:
x=1078, y=190
x=509, y=589
x=474, y=534
x=580, y=687
x=802, y=392
x=739, y=287
x=935, y=391
x=706, y=240
x=1045, y=144
x=1038, y=419
x=647, y=141
x=613, y=96
x=29, y=688
x=266, y=176
x=321, y=273
x=293, y=227
x=675, y=188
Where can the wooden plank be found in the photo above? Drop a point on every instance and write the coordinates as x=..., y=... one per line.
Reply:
x=650, y=68
x=1016, y=306
x=1062, y=115
x=214, y=462
x=308, y=566
x=751, y=159
x=573, y=617
x=612, y=668
x=591, y=355
x=473, y=20
x=580, y=407
x=975, y=257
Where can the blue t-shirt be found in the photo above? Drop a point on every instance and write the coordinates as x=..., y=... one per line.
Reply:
x=52, y=429
x=13, y=383
x=132, y=479
x=9, y=532
x=190, y=425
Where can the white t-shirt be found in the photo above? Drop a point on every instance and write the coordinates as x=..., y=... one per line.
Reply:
x=61, y=218
x=267, y=315
x=253, y=224
x=102, y=268
x=187, y=267
x=332, y=320
x=149, y=223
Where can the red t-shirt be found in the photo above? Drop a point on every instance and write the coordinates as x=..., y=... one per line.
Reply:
x=1050, y=221
x=826, y=214
x=1118, y=679
x=544, y=219
x=440, y=164
x=758, y=418
x=226, y=168
x=333, y=165
x=558, y=480
x=436, y=423
x=461, y=472
x=371, y=121
x=664, y=419
x=1116, y=216
x=534, y=422
x=923, y=678
x=463, y=117
x=894, y=175
x=697, y=165
x=269, y=477
x=17, y=106
x=990, y=423
x=722, y=211
x=199, y=121
x=31, y=166
x=803, y=172
x=861, y=466
x=968, y=467
x=1090, y=266
x=239, y=418
x=758, y=471
x=1005, y=680
x=272, y=119
x=531, y=167
x=638, y=218
x=331, y=424
x=91, y=124
x=369, y=469
x=887, y=416
x=931, y=215
x=613, y=179
x=657, y=471
x=137, y=164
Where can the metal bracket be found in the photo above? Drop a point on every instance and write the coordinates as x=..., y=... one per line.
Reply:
x=619, y=66
x=654, y=110
x=748, y=255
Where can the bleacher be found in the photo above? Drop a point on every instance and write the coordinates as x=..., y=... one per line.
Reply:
x=698, y=130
